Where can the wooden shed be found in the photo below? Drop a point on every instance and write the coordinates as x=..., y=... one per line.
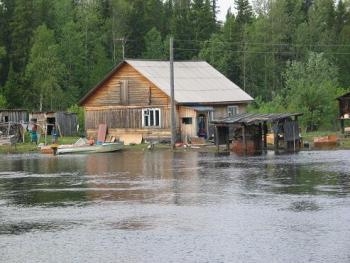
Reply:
x=15, y=116
x=344, y=113
x=246, y=134
x=65, y=122
x=134, y=101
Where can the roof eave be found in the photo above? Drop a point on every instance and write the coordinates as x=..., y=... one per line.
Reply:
x=214, y=102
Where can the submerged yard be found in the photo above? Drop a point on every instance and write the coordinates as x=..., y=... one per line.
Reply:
x=175, y=206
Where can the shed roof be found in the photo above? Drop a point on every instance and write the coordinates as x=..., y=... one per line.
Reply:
x=346, y=96
x=194, y=81
x=254, y=118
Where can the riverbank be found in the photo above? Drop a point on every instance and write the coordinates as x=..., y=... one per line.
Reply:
x=28, y=147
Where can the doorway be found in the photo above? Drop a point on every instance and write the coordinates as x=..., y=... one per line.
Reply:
x=202, y=127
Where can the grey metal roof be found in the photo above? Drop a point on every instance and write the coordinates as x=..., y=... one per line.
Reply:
x=194, y=81
x=252, y=118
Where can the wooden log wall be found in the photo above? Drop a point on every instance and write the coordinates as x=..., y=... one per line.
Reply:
x=140, y=91
x=122, y=117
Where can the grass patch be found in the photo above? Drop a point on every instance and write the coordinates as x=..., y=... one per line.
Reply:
x=28, y=146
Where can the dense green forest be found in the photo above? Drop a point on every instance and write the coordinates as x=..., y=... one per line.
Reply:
x=289, y=54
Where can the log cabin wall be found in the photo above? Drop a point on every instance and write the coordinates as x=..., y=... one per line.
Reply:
x=122, y=117
x=119, y=103
x=140, y=92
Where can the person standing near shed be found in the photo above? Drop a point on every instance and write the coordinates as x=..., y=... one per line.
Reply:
x=33, y=133
x=54, y=135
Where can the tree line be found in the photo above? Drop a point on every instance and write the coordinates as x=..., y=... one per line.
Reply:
x=288, y=54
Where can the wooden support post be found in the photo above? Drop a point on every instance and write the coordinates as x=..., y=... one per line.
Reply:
x=265, y=136
x=244, y=140
x=260, y=135
x=227, y=138
x=342, y=126
x=217, y=138
x=172, y=95
x=275, y=138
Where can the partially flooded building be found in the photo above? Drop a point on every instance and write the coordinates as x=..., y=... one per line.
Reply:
x=344, y=113
x=247, y=133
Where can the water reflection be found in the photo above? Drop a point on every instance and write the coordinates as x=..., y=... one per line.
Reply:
x=165, y=176
x=192, y=206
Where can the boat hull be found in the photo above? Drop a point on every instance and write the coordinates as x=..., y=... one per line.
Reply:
x=98, y=148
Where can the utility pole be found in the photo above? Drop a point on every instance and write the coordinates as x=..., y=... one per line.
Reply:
x=172, y=95
x=123, y=41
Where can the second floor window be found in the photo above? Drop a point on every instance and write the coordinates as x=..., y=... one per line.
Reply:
x=232, y=110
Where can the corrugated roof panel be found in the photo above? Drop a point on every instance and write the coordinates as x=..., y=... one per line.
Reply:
x=194, y=81
x=251, y=118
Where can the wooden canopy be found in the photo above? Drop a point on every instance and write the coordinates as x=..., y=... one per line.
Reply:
x=248, y=131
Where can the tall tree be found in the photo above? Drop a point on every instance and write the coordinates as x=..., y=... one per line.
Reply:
x=312, y=87
x=321, y=25
x=243, y=19
x=244, y=12
x=5, y=17
x=71, y=54
x=96, y=62
x=342, y=50
x=117, y=29
x=154, y=45
x=44, y=72
x=181, y=30
x=21, y=28
x=143, y=16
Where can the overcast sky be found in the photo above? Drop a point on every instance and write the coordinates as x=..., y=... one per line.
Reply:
x=224, y=5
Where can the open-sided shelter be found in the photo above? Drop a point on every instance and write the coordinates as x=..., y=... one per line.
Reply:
x=134, y=100
x=344, y=113
x=247, y=133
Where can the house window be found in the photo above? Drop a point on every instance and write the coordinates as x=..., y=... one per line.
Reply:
x=232, y=110
x=151, y=117
x=187, y=120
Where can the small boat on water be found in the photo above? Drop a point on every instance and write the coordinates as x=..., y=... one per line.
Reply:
x=83, y=146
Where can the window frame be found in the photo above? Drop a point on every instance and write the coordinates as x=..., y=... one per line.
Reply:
x=151, y=118
x=231, y=112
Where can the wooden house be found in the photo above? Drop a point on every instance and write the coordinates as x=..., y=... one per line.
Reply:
x=344, y=113
x=134, y=100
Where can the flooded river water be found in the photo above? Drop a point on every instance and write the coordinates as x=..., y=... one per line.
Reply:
x=164, y=206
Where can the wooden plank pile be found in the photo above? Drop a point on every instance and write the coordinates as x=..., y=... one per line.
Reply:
x=11, y=133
